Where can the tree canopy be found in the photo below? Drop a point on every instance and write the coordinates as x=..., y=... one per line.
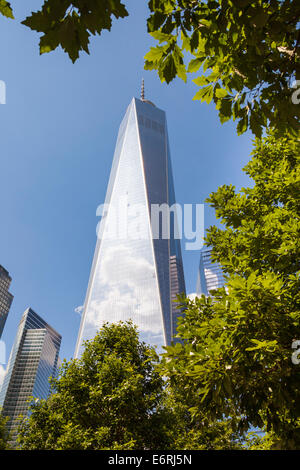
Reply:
x=237, y=350
x=114, y=397
x=110, y=398
x=245, y=53
x=4, y=437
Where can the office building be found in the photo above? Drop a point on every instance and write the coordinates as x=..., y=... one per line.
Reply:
x=6, y=297
x=210, y=275
x=33, y=360
x=135, y=273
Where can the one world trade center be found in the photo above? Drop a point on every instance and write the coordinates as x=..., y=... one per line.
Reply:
x=136, y=274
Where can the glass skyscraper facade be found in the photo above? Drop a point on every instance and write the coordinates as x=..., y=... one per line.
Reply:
x=6, y=297
x=33, y=360
x=136, y=275
x=210, y=275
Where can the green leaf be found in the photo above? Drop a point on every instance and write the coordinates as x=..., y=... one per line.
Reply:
x=49, y=42
x=221, y=93
x=242, y=124
x=5, y=9
x=168, y=69
x=155, y=54
x=255, y=124
x=200, y=81
x=180, y=67
x=161, y=37
x=195, y=64
x=205, y=94
x=185, y=42
x=155, y=21
x=225, y=109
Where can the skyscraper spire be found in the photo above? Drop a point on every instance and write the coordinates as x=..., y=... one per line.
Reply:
x=143, y=94
x=143, y=91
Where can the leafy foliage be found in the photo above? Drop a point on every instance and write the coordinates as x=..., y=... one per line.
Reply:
x=4, y=437
x=5, y=9
x=202, y=434
x=247, y=53
x=115, y=398
x=194, y=429
x=110, y=398
x=238, y=342
x=70, y=23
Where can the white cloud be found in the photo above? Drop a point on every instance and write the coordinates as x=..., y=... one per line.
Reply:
x=79, y=309
x=125, y=287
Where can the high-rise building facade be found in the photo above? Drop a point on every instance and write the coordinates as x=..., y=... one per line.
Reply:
x=136, y=274
x=33, y=360
x=6, y=297
x=210, y=275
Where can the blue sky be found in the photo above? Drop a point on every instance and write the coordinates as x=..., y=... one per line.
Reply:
x=58, y=132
